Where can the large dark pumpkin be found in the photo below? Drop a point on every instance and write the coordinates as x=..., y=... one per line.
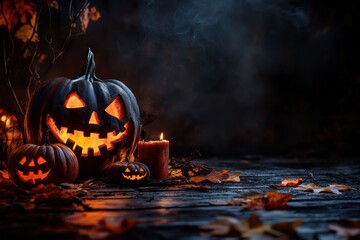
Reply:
x=31, y=165
x=95, y=118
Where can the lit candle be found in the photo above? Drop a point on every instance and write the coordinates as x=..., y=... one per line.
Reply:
x=155, y=154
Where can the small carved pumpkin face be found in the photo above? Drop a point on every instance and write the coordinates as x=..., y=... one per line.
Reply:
x=127, y=172
x=31, y=170
x=31, y=165
x=134, y=172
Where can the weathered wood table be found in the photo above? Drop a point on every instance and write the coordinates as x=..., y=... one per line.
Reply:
x=174, y=211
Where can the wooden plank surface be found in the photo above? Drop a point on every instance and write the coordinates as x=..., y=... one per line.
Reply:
x=174, y=211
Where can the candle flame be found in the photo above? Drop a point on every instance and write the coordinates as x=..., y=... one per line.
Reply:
x=161, y=136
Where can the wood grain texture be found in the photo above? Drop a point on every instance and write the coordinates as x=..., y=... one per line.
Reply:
x=173, y=211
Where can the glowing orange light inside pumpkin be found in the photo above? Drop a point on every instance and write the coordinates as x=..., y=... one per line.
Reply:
x=32, y=175
x=162, y=136
x=94, y=119
x=73, y=100
x=115, y=109
x=93, y=141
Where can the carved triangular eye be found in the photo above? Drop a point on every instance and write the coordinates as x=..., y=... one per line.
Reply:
x=127, y=170
x=41, y=160
x=73, y=100
x=22, y=161
x=115, y=109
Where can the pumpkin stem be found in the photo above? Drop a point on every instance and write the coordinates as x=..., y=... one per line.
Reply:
x=89, y=65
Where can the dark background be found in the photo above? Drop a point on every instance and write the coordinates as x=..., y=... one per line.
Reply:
x=233, y=77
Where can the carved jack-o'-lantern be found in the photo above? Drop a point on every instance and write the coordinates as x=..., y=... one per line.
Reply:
x=95, y=118
x=31, y=165
x=127, y=172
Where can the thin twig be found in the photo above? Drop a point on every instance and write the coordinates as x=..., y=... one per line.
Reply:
x=31, y=67
x=69, y=33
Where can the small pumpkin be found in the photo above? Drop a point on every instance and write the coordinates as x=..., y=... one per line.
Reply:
x=126, y=172
x=95, y=118
x=31, y=165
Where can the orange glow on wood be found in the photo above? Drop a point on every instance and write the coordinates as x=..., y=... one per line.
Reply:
x=73, y=100
x=94, y=119
x=115, y=109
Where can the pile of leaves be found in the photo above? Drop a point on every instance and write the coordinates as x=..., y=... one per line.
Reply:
x=185, y=169
x=20, y=200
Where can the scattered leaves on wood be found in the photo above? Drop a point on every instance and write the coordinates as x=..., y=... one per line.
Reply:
x=217, y=177
x=184, y=168
x=257, y=201
x=52, y=194
x=251, y=228
x=347, y=229
x=332, y=188
x=291, y=182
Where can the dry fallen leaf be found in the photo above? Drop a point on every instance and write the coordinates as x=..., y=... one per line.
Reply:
x=256, y=201
x=290, y=182
x=347, y=229
x=55, y=195
x=15, y=12
x=94, y=14
x=251, y=228
x=332, y=188
x=25, y=32
x=217, y=177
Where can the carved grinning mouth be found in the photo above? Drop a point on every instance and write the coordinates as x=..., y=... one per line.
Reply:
x=86, y=142
x=32, y=176
x=134, y=177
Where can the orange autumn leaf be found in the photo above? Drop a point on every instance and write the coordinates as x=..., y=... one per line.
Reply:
x=257, y=201
x=275, y=200
x=332, y=188
x=290, y=182
x=251, y=228
x=88, y=14
x=16, y=11
x=94, y=14
x=26, y=32
x=217, y=177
